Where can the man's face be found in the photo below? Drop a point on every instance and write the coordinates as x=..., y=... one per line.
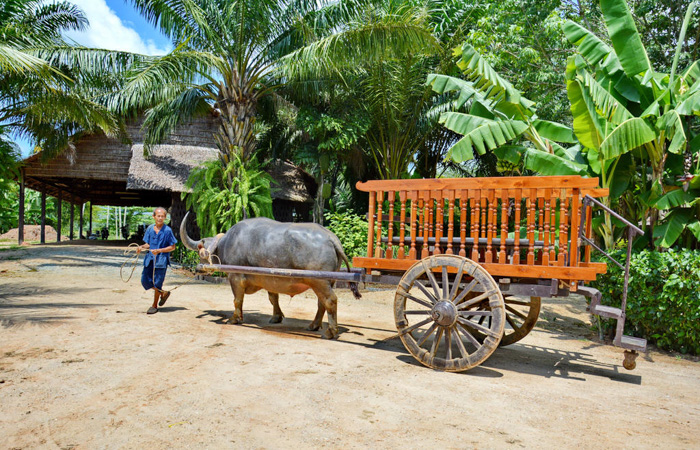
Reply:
x=159, y=217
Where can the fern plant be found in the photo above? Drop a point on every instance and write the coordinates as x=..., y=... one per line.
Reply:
x=220, y=204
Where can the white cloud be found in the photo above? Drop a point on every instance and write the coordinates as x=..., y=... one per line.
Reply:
x=107, y=31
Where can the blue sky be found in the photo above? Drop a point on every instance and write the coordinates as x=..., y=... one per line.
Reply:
x=115, y=25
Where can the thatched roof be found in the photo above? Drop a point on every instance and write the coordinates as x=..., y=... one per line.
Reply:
x=168, y=166
x=107, y=171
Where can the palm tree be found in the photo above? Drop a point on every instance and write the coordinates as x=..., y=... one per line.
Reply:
x=49, y=89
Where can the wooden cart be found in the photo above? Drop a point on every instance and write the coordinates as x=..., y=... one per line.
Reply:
x=472, y=257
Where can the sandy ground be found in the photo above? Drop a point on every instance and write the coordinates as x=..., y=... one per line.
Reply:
x=82, y=366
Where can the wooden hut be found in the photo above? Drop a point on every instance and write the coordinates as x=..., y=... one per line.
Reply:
x=106, y=171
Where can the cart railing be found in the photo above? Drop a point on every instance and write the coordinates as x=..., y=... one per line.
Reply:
x=524, y=227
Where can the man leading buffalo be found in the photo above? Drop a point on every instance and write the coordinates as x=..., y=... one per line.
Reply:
x=159, y=241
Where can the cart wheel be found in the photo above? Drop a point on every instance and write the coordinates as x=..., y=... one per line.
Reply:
x=521, y=316
x=441, y=305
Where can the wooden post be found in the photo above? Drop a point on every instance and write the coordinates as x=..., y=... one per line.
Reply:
x=20, y=224
x=43, y=218
x=80, y=222
x=90, y=227
x=60, y=216
x=72, y=216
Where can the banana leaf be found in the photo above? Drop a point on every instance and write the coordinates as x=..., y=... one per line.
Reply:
x=555, y=131
x=628, y=135
x=625, y=38
x=548, y=164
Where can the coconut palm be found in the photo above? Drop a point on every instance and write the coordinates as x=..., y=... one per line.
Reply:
x=49, y=89
x=227, y=54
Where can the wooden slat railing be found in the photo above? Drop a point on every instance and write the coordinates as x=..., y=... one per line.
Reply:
x=524, y=227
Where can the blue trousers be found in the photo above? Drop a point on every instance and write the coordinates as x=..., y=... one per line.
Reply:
x=149, y=279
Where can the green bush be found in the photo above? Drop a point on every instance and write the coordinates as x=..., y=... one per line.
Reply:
x=663, y=303
x=187, y=258
x=352, y=231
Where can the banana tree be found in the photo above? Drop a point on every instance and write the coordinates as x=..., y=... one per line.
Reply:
x=622, y=106
x=490, y=113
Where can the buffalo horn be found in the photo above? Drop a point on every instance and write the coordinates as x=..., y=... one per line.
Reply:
x=186, y=240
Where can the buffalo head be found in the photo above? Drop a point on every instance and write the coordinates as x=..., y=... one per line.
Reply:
x=205, y=247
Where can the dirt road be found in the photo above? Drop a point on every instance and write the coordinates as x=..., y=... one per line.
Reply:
x=83, y=366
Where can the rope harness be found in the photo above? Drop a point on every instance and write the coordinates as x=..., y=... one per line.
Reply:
x=132, y=261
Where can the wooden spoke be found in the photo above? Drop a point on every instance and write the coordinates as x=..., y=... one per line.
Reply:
x=474, y=300
x=436, y=341
x=458, y=280
x=477, y=327
x=448, y=343
x=417, y=300
x=467, y=290
x=468, y=314
x=445, y=283
x=433, y=282
x=511, y=322
x=455, y=312
x=414, y=326
x=460, y=345
x=468, y=334
x=423, y=289
x=521, y=316
x=515, y=312
x=427, y=334
x=516, y=302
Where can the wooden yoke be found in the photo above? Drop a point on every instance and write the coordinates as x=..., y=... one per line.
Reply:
x=520, y=227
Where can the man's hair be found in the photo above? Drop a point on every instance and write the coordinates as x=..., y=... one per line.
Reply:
x=160, y=207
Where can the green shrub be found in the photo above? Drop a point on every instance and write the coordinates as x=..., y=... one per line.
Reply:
x=187, y=258
x=663, y=303
x=352, y=231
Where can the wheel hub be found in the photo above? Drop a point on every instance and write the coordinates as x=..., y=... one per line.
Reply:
x=444, y=313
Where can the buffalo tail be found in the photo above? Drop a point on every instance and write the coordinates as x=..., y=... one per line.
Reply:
x=355, y=290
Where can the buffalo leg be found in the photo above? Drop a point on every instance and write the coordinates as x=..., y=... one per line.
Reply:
x=238, y=294
x=318, y=320
x=330, y=303
x=277, y=314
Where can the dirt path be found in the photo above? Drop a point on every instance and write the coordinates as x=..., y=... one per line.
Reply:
x=82, y=366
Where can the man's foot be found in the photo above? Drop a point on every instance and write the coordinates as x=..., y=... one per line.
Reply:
x=152, y=310
x=163, y=297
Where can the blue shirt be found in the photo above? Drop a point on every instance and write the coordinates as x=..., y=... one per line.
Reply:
x=164, y=238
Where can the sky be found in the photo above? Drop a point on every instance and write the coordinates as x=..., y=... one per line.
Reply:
x=115, y=25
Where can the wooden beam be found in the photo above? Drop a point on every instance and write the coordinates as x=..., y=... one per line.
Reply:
x=20, y=224
x=90, y=227
x=549, y=182
x=72, y=216
x=80, y=222
x=585, y=272
x=60, y=217
x=43, y=218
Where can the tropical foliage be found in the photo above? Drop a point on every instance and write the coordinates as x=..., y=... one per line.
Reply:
x=219, y=205
x=665, y=307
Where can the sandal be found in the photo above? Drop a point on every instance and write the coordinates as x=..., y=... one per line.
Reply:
x=152, y=310
x=163, y=298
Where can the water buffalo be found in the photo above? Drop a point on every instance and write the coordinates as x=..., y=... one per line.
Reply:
x=263, y=242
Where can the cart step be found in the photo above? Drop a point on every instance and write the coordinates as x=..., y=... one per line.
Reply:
x=606, y=311
x=633, y=343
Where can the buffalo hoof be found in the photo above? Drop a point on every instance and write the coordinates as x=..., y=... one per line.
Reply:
x=313, y=327
x=277, y=318
x=329, y=334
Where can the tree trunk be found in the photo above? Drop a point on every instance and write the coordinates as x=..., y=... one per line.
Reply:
x=318, y=202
